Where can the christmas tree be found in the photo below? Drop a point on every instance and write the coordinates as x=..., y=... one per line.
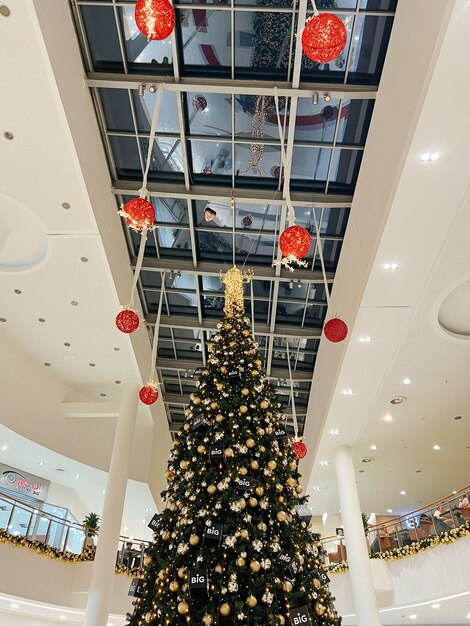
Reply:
x=232, y=546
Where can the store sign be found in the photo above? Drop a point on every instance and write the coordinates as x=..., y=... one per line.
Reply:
x=23, y=483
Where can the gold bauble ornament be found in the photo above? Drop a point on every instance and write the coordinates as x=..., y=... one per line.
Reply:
x=233, y=344
x=319, y=608
x=299, y=489
x=255, y=566
x=187, y=412
x=214, y=406
x=253, y=502
x=211, y=489
x=281, y=499
x=262, y=449
x=205, y=373
x=184, y=464
x=250, y=443
x=292, y=466
x=291, y=481
x=254, y=373
x=148, y=560
x=220, y=387
x=287, y=586
x=269, y=430
x=281, y=619
x=281, y=516
x=260, y=432
x=316, y=583
x=166, y=535
x=169, y=474
x=227, y=326
x=174, y=585
x=148, y=617
x=210, y=346
x=301, y=559
x=182, y=572
x=229, y=452
x=201, y=449
x=183, y=608
x=241, y=562
x=225, y=609
x=258, y=363
x=197, y=401
x=243, y=409
x=244, y=533
x=207, y=619
x=242, y=504
x=219, y=418
x=262, y=526
x=187, y=426
x=254, y=465
x=246, y=333
x=251, y=602
x=259, y=491
x=223, y=369
x=194, y=540
x=161, y=574
x=176, y=443
x=243, y=471
x=272, y=465
x=245, y=391
x=218, y=569
x=264, y=404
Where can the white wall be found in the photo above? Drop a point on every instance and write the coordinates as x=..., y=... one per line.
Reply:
x=67, y=498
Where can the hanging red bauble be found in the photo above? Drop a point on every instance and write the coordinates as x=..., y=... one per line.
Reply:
x=275, y=171
x=199, y=103
x=324, y=37
x=155, y=18
x=335, y=330
x=295, y=242
x=138, y=213
x=300, y=449
x=149, y=393
x=207, y=170
x=127, y=321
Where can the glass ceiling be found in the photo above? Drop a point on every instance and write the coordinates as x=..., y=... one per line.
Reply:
x=217, y=138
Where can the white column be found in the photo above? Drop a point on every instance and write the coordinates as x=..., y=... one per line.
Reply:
x=363, y=592
x=102, y=578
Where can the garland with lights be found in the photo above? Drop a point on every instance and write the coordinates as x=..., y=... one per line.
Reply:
x=42, y=548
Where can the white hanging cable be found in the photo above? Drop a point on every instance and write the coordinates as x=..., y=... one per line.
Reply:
x=156, y=331
x=294, y=414
x=290, y=208
x=320, y=254
x=143, y=192
x=252, y=296
x=314, y=7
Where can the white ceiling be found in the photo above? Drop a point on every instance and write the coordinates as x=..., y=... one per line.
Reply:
x=426, y=234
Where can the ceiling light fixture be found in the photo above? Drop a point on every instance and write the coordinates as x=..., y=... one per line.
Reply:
x=432, y=157
x=367, y=459
x=397, y=400
x=373, y=447
x=334, y=432
x=13, y=605
x=365, y=339
x=324, y=463
x=77, y=476
x=8, y=135
x=413, y=616
x=62, y=616
x=436, y=447
x=65, y=205
x=73, y=302
x=347, y=392
x=388, y=418
x=141, y=90
x=18, y=291
x=407, y=381
x=41, y=463
x=3, y=319
x=389, y=510
x=403, y=493
x=84, y=259
x=152, y=88
x=435, y=606
x=4, y=10
x=391, y=267
x=4, y=447
x=327, y=97
x=315, y=98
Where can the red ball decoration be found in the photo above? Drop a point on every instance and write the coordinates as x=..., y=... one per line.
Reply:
x=155, y=18
x=300, y=449
x=127, y=321
x=295, y=242
x=149, y=393
x=199, y=103
x=324, y=37
x=138, y=213
x=335, y=330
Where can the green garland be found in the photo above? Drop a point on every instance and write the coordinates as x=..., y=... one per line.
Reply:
x=42, y=548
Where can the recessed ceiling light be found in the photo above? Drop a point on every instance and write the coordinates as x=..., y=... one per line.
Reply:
x=41, y=319
x=367, y=459
x=316, y=488
x=77, y=476
x=397, y=400
x=13, y=605
x=347, y=392
x=430, y=156
x=3, y=319
x=103, y=492
x=324, y=463
x=47, y=364
x=118, y=382
x=4, y=447
x=67, y=344
x=389, y=510
x=391, y=267
x=109, y=624
x=62, y=616
x=454, y=492
x=65, y=205
x=458, y=417
x=413, y=616
x=18, y=291
x=403, y=493
x=435, y=606
x=103, y=395
x=41, y=463
x=407, y=381
x=126, y=527
x=388, y=418
x=365, y=339
x=74, y=303
x=84, y=259
x=8, y=135
x=116, y=349
x=92, y=364
x=334, y=432
x=436, y=447
x=373, y=447
x=4, y=10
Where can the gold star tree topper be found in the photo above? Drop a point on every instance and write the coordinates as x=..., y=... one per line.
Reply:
x=234, y=280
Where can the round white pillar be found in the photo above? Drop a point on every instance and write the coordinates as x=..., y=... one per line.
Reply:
x=362, y=585
x=102, y=578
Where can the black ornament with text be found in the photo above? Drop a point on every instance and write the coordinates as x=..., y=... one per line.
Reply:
x=213, y=535
x=244, y=483
x=200, y=422
x=216, y=454
x=136, y=588
x=153, y=524
x=198, y=582
x=281, y=434
x=321, y=576
x=299, y=616
x=304, y=513
x=290, y=562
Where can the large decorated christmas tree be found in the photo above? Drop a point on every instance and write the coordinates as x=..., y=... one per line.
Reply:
x=233, y=546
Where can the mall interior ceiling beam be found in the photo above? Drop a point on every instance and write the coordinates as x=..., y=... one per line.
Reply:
x=223, y=194
x=189, y=366
x=236, y=86
x=213, y=268
x=175, y=321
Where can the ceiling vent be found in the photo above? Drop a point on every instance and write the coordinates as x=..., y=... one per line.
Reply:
x=398, y=400
x=368, y=459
